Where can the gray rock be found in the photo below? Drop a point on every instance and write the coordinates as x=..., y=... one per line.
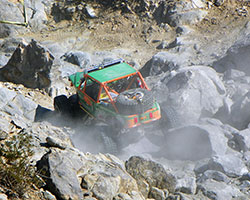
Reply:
x=228, y=164
x=10, y=11
x=27, y=106
x=79, y=58
x=193, y=92
x=246, y=157
x=40, y=131
x=187, y=18
x=237, y=89
x=90, y=11
x=224, y=112
x=163, y=45
x=56, y=49
x=242, y=140
x=165, y=61
x=237, y=55
x=6, y=96
x=61, y=169
x=240, y=112
x=179, y=12
x=21, y=106
x=55, y=142
x=29, y=65
x=48, y=196
x=186, y=185
x=147, y=172
x=214, y=175
x=183, y=30
x=219, y=190
x=9, y=45
x=69, y=171
x=67, y=69
x=105, y=178
x=233, y=74
x=156, y=193
x=37, y=15
x=3, y=60
x=193, y=142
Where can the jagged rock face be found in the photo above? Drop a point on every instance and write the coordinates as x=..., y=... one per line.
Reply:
x=72, y=175
x=193, y=92
x=194, y=142
x=6, y=8
x=15, y=110
x=35, y=16
x=29, y=65
x=149, y=174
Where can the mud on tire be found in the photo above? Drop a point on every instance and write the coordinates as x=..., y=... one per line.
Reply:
x=134, y=101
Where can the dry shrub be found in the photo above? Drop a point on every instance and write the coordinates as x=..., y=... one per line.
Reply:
x=17, y=175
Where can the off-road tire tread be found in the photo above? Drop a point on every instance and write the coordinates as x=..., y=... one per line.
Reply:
x=129, y=107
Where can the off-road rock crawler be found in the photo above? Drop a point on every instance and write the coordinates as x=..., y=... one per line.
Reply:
x=114, y=94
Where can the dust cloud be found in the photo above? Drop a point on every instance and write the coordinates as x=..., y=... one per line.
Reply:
x=184, y=143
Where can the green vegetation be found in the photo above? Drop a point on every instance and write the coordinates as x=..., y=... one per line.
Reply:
x=17, y=175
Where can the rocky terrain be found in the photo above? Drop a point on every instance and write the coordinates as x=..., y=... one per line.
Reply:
x=194, y=55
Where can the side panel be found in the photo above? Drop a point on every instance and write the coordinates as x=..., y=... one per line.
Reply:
x=86, y=103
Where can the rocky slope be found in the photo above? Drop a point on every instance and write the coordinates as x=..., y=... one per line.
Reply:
x=194, y=55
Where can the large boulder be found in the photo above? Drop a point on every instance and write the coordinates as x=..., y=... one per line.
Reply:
x=236, y=83
x=237, y=55
x=242, y=140
x=61, y=169
x=15, y=108
x=165, y=61
x=10, y=11
x=220, y=190
x=193, y=142
x=37, y=17
x=29, y=65
x=72, y=175
x=13, y=11
x=193, y=92
x=149, y=174
x=229, y=164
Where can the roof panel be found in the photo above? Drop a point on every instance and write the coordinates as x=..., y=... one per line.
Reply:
x=112, y=72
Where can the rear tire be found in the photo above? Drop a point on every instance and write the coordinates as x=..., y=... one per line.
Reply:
x=169, y=118
x=74, y=106
x=61, y=105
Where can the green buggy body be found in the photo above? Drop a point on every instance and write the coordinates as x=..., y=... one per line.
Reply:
x=116, y=94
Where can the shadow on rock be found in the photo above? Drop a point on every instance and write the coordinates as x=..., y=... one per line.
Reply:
x=51, y=116
x=186, y=143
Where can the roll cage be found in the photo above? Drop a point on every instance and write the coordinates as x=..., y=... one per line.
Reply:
x=106, y=92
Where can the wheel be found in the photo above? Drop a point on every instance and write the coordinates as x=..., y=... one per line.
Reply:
x=61, y=104
x=134, y=101
x=74, y=106
x=169, y=118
